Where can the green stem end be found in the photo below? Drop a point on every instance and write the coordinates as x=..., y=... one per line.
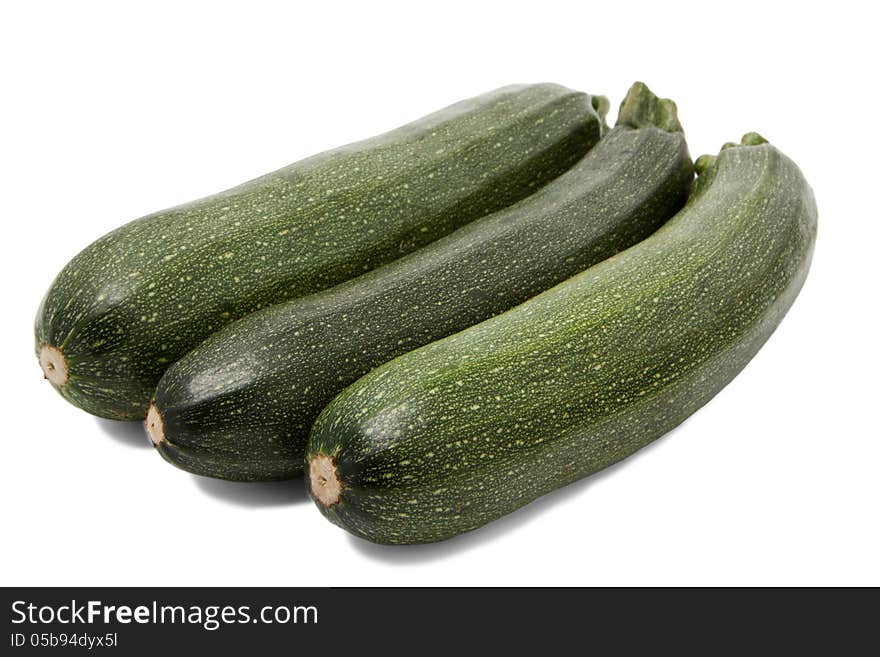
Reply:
x=641, y=108
x=601, y=105
x=706, y=162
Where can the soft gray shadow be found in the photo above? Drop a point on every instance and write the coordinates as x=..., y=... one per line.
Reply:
x=254, y=493
x=415, y=554
x=130, y=434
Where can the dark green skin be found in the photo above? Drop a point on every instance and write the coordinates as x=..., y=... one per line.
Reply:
x=463, y=431
x=240, y=406
x=135, y=301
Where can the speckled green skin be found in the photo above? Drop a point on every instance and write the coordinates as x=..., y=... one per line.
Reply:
x=240, y=405
x=462, y=431
x=139, y=298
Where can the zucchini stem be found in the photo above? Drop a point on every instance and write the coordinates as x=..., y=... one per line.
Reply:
x=601, y=104
x=641, y=109
x=326, y=486
x=54, y=365
x=155, y=426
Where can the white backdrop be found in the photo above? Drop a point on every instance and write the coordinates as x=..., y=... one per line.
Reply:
x=109, y=112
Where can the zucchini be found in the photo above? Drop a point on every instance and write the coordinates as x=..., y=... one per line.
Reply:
x=462, y=431
x=240, y=406
x=139, y=298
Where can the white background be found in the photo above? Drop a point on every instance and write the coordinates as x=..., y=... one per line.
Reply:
x=110, y=112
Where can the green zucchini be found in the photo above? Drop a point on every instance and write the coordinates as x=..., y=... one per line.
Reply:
x=240, y=406
x=462, y=431
x=139, y=298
